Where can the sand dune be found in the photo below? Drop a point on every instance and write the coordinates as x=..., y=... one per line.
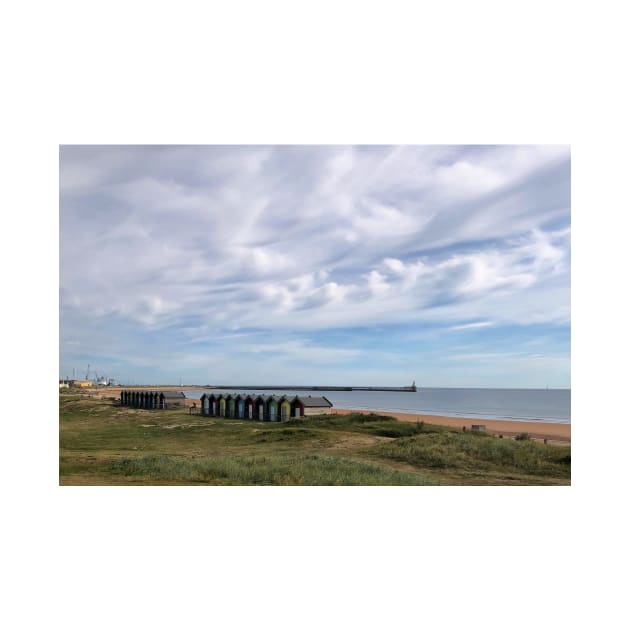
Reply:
x=539, y=430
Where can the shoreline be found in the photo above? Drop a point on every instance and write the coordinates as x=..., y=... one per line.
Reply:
x=554, y=432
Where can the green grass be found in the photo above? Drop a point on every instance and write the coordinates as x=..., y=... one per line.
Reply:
x=291, y=470
x=101, y=444
x=480, y=451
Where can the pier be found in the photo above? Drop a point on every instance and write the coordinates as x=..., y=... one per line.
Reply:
x=317, y=388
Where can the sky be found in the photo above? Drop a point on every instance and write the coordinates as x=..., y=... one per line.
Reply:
x=316, y=265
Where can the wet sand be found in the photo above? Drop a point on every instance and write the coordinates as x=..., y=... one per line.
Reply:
x=553, y=432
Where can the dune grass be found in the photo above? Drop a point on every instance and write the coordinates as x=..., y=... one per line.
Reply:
x=287, y=470
x=480, y=451
x=102, y=443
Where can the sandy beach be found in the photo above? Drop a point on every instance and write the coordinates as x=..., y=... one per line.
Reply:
x=553, y=432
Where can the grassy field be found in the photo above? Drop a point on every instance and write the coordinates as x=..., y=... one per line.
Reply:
x=101, y=443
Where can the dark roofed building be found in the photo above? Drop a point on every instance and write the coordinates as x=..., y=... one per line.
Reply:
x=145, y=399
x=311, y=405
x=173, y=399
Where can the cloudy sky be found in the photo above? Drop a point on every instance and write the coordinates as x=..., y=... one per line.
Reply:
x=447, y=265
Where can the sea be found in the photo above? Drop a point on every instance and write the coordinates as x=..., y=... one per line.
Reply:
x=524, y=405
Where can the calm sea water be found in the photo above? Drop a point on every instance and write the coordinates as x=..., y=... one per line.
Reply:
x=538, y=405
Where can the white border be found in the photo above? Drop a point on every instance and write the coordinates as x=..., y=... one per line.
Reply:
x=283, y=72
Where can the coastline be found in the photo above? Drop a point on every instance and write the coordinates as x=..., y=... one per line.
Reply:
x=552, y=431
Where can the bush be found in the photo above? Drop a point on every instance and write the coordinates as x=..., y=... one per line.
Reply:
x=522, y=436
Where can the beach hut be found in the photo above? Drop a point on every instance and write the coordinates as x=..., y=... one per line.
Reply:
x=212, y=404
x=204, y=405
x=239, y=405
x=222, y=405
x=143, y=399
x=249, y=407
x=172, y=399
x=260, y=408
x=297, y=407
x=285, y=408
x=231, y=413
x=312, y=405
x=273, y=408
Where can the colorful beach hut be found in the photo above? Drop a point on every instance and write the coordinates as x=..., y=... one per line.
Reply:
x=273, y=405
x=297, y=408
x=212, y=404
x=249, y=407
x=285, y=408
x=239, y=403
x=242, y=406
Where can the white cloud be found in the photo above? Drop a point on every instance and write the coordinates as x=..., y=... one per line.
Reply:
x=300, y=238
x=471, y=325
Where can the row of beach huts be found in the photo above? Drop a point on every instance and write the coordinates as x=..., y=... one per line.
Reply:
x=245, y=406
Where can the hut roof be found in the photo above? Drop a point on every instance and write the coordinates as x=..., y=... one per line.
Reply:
x=315, y=401
x=170, y=394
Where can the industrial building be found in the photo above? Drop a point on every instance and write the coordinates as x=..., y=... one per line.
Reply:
x=144, y=399
x=263, y=408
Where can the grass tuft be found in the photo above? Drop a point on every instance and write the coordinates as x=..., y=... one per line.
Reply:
x=478, y=450
x=303, y=470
